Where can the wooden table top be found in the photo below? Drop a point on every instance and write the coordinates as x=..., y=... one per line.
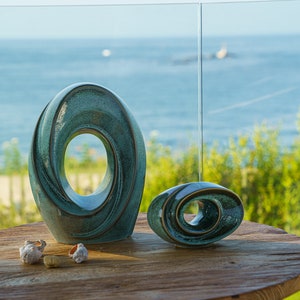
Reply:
x=255, y=262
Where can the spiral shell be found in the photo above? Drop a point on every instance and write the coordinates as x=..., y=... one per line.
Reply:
x=110, y=212
x=220, y=212
x=79, y=253
x=32, y=251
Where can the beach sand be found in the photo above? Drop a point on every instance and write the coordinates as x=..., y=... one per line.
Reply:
x=16, y=188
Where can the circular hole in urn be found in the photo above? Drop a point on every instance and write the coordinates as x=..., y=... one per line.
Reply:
x=201, y=214
x=85, y=163
x=191, y=210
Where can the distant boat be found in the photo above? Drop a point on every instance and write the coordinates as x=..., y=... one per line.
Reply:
x=106, y=53
x=222, y=53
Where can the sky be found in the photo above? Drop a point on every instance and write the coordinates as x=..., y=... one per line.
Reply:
x=278, y=17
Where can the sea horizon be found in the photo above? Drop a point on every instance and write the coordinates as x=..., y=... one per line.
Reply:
x=255, y=83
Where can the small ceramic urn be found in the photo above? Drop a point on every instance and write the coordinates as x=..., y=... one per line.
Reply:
x=217, y=213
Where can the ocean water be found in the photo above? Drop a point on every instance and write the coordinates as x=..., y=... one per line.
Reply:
x=258, y=82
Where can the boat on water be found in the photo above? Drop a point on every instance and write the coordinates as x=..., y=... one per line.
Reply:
x=106, y=52
x=222, y=53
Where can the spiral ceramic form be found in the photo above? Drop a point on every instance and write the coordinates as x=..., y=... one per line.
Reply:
x=220, y=212
x=110, y=212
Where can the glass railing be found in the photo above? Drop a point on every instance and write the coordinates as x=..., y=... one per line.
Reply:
x=149, y=55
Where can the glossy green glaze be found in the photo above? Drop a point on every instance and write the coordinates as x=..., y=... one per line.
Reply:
x=110, y=212
x=220, y=212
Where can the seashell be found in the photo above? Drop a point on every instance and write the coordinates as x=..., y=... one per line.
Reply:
x=110, y=213
x=79, y=253
x=32, y=251
x=52, y=261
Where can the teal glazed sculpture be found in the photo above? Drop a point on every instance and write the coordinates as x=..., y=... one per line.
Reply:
x=110, y=213
x=220, y=212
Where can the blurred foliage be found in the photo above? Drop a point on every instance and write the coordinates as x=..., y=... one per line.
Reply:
x=14, y=166
x=13, y=161
x=257, y=167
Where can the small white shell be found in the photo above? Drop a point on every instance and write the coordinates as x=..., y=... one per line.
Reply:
x=31, y=252
x=79, y=253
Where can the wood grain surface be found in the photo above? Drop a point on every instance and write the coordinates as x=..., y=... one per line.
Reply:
x=255, y=262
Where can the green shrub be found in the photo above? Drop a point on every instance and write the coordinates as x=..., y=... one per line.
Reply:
x=13, y=161
x=257, y=167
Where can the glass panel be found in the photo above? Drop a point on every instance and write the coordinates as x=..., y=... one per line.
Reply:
x=251, y=68
x=251, y=97
x=139, y=52
x=147, y=54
